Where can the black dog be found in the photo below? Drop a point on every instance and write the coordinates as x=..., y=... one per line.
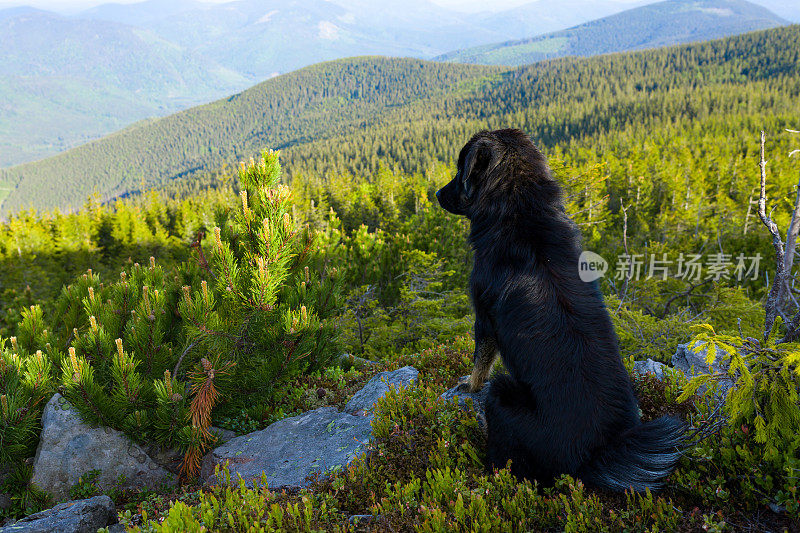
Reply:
x=566, y=404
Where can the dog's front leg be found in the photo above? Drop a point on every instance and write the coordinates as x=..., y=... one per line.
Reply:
x=485, y=355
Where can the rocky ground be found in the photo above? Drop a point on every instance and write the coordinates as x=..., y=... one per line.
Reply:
x=286, y=453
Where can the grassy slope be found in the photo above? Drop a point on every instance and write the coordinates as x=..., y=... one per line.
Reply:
x=665, y=23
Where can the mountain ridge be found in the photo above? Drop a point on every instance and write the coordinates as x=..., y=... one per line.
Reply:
x=664, y=23
x=348, y=107
x=195, y=52
x=227, y=47
x=266, y=114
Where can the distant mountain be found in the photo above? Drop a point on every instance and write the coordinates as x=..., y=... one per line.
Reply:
x=650, y=26
x=260, y=38
x=65, y=81
x=544, y=16
x=313, y=103
x=140, y=13
x=350, y=114
x=788, y=9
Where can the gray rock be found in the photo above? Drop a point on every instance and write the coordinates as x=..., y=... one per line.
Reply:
x=5, y=501
x=68, y=449
x=691, y=361
x=478, y=398
x=324, y=439
x=77, y=516
x=650, y=366
x=376, y=388
x=293, y=448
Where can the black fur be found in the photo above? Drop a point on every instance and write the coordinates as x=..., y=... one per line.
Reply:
x=567, y=404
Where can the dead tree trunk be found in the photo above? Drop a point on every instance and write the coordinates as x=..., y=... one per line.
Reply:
x=784, y=257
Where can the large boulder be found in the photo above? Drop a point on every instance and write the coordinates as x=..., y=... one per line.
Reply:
x=78, y=516
x=363, y=402
x=321, y=440
x=293, y=448
x=69, y=448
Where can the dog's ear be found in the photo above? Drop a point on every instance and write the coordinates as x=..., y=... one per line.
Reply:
x=480, y=158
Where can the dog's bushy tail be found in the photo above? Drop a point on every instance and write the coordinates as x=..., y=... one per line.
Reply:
x=639, y=459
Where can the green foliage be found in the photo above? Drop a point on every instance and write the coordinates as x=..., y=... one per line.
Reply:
x=26, y=498
x=26, y=382
x=238, y=508
x=731, y=311
x=120, y=339
x=644, y=336
x=757, y=455
x=425, y=313
x=86, y=487
x=424, y=472
x=25, y=385
x=267, y=310
x=256, y=319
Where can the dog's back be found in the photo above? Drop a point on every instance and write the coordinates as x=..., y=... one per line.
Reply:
x=567, y=404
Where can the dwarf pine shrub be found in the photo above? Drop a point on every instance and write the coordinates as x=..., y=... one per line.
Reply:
x=26, y=382
x=155, y=352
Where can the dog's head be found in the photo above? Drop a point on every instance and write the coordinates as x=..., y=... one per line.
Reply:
x=490, y=164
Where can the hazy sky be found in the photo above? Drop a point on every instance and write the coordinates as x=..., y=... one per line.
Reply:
x=72, y=6
x=461, y=5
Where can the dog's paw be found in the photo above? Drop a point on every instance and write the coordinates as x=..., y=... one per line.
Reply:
x=464, y=385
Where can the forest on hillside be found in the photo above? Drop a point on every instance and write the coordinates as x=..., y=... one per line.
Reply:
x=252, y=281
x=352, y=115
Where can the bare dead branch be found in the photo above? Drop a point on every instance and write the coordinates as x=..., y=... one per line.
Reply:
x=685, y=293
x=773, y=299
x=624, y=288
x=180, y=359
x=589, y=207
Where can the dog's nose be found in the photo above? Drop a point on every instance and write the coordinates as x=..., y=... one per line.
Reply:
x=437, y=193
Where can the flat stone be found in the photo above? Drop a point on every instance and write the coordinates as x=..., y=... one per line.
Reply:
x=478, y=398
x=69, y=448
x=291, y=449
x=363, y=402
x=77, y=516
x=650, y=367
